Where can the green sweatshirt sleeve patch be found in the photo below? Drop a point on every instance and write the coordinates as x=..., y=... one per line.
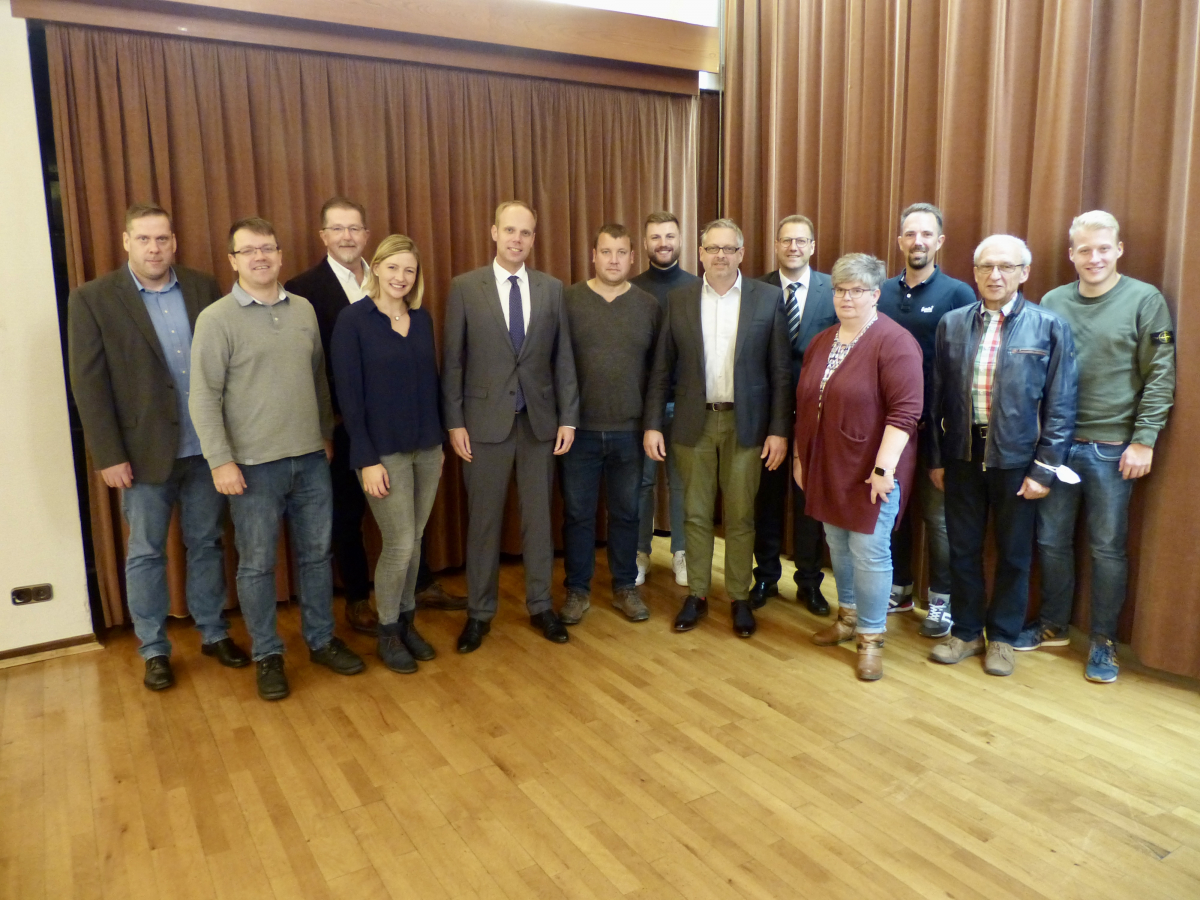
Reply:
x=1163, y=337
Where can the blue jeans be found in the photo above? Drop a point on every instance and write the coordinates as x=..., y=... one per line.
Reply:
x=862, y=566
x=297, y=487
x=617, y=455
x=147, y=509
x=1104, y=495
x=675, y=493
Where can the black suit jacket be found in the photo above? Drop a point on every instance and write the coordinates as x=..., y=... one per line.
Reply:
x=320, y=287
x=763, y=396
x=119, y=376
x=817, y=316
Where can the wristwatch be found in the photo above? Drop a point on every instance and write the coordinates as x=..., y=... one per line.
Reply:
x=882, y=472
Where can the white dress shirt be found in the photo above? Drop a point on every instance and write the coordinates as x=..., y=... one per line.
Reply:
x=801, y=292
x=504, y=287
x=719, y=323
x=348, y=280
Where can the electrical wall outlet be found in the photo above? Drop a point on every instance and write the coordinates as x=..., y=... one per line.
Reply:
x=32, y=593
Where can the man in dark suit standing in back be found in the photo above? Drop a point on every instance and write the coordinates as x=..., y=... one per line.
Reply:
x=808, y=310
x=510, y=399
x=725, y=339
x=330, y=286
x=338, y=280
x=129, y=346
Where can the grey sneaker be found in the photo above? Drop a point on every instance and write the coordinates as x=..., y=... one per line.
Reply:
x=999, y=659
x=937, y=623
x=629, y=601
x=954, y=650
x=577, y=604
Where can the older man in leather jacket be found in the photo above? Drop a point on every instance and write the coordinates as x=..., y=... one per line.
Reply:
x=1004, y=398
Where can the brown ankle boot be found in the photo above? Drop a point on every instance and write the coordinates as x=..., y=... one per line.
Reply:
x=870, y=657
x=841, y=630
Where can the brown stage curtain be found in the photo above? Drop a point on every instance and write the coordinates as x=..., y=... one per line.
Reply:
x=1012, y=117
x=218, y=131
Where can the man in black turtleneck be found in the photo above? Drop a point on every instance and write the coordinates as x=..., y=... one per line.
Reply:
x=662, y=241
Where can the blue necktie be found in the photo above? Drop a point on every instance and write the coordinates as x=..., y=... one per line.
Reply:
x=792, y=310
x=516, y=330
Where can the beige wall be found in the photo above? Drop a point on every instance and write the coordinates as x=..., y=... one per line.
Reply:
x=40, y=539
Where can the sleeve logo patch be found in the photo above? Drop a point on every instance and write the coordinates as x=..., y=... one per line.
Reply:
x=1163, y=337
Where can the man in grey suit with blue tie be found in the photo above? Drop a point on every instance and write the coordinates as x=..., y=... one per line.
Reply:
x=510, y=398
x=808, y=309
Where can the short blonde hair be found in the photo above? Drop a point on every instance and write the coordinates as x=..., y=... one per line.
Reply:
x=388, y=247
x=507, y=204
x=1089, y=221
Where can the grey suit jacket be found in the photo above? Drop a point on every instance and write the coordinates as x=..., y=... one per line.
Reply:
x=481, y=371
x=817, y=316
x=119, y=376
x=763, y=397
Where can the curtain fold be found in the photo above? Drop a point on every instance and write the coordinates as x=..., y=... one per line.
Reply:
x=216, y=131
x=1012, y=116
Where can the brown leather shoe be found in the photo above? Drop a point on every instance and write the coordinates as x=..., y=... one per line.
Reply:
x=870, y=657
x=436, y=597
x=840, y=631
x=361, y=616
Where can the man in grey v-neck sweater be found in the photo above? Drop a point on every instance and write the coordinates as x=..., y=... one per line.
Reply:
x=260, y=403
x=614, y=331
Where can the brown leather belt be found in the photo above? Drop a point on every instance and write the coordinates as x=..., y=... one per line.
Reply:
x=719, y=407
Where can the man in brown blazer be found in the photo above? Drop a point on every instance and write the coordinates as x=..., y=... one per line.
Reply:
x=129, y=346
x=510, y=398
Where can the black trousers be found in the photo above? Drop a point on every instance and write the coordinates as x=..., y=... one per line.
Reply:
x=349, y=506
x=971, y=494
x=770, y=512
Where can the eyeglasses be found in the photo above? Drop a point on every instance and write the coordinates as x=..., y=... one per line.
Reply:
x=853, y=293
x=352, y=230
x=796, y=242
x=717, y=251
x=1005, y=268
x=265, y=250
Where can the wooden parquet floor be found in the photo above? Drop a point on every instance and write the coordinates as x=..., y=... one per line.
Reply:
x=632, y=762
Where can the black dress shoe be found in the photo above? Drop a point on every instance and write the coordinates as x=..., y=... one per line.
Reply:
x=743, y=619
x=551, y=626
x=760, y=592
x=472, y=635
x=272, y=681
x=337, y=656
x=159, y=676
x=227, y=653
x=694, y=609
x=812, y=598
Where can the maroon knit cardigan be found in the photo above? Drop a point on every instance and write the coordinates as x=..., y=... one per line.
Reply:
x=879, y=383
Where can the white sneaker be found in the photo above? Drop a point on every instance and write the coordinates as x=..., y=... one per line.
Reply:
x=643, y=564
x=680, y=565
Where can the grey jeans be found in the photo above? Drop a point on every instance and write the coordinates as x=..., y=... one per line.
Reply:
x=401, y=516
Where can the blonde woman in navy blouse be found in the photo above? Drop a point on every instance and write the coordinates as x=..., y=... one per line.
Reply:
x=385, y=368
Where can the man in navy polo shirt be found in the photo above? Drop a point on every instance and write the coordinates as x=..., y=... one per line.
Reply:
x=917, y=298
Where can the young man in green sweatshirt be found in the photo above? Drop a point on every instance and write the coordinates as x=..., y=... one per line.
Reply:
x=1125, y=344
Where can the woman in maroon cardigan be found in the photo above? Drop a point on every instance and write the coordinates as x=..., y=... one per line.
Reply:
x=857, y=406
